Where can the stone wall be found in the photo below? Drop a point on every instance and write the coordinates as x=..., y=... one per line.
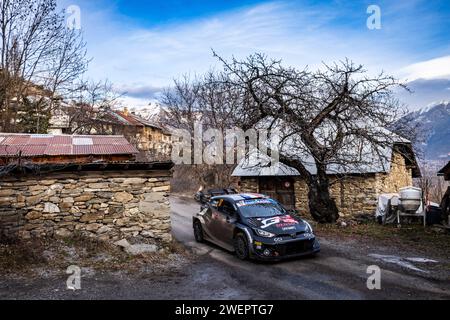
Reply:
x=249, y=185
x=353, y=194
x=106, y=205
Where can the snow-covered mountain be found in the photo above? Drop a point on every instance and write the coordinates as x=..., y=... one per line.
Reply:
x=434, y=124
x=150, y=112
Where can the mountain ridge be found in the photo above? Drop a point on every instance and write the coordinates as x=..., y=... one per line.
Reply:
x=433, y=123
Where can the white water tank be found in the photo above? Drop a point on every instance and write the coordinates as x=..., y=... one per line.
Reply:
x=410, y=199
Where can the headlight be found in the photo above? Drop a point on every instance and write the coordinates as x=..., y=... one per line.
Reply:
x=308, y=227
x=264, y=234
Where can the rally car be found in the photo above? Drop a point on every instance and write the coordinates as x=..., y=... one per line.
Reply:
x=254, y=226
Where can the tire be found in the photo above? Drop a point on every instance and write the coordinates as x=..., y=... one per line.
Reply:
x=198, y=232
x=241, y=247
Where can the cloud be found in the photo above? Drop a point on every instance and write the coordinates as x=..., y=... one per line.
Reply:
x=430, y=69
x=140, y=92
x=140, y=59
x=426, y=92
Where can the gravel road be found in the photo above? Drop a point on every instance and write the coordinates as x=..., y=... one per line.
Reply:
x=338, y=272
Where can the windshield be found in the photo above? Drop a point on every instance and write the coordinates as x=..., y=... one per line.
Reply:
x=260, y=208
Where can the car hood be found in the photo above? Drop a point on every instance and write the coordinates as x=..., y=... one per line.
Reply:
x=278, y=225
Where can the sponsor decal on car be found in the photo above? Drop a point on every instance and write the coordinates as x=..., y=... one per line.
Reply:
x=280, y=222
x=251, y=202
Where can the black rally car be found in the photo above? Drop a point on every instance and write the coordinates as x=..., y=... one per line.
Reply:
x=254, y=226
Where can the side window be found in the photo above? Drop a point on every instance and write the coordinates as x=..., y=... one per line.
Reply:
x=227, y=208
x=214, y=203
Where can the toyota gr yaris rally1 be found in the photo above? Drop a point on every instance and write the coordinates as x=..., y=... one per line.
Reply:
x=254, y=226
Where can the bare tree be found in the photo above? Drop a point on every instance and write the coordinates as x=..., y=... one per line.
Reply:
x=331, y=120
x=90, y=106
x=39, y=57
x=206, y=100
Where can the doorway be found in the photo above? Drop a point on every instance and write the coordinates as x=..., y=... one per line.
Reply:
x=279, y=188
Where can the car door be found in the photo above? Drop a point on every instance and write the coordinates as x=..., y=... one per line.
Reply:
x=210, y=218
x=227, y=216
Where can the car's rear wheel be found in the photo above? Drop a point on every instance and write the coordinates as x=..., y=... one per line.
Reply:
x=241, y=246
x=198, y=232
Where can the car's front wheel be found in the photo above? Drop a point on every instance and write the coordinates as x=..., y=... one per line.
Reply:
x=198, y=232
x=241, y=246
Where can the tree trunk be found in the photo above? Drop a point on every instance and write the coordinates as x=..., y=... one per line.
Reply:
x=321, y=206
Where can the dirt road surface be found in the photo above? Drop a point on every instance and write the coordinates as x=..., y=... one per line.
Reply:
x=338, y=272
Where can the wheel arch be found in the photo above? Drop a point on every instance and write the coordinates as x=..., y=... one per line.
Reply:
x=245, y=231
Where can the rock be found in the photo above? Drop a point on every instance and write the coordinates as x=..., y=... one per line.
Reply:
x=57, y=186
x=133, y=211
x=90, y=217
x=33, y=215
x=134, y=181
x=93, y=227
x=342, y=224
x=84, y=197
x=37, y=188
x=161, y=189
x=31, y=201
x=6, y=200
x=122, y=243
x=6, y=192
x=147, y=234
x=63, y=233
x=66, y=206
x=55, y=200
x=131, y=229
x=104, y=229
x=138, y=249
x=68, y=200
x=98, y=185
x=122, y=222
x=51, y=208
x=123, y=197
x=47, y=182
x=105, y=195
x=74, y=210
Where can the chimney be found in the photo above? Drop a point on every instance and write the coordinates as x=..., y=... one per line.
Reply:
x=125, y=111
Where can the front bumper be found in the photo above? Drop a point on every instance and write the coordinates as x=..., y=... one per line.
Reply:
x=270, y=251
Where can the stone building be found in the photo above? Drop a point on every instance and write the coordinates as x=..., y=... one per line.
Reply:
x=353, y=191
x=149, y=136
x=152, y=140
x=88, y=185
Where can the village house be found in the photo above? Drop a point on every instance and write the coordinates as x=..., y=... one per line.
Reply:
x=150, y=137
x=354, y=191
x=152, y=140
x=61, y=185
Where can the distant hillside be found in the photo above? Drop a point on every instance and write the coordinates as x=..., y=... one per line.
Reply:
x=434, y=124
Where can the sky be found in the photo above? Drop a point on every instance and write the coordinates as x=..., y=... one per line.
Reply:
x=142, y=46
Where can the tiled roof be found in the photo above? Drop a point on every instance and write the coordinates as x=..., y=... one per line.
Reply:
x=12, y=145
x=135, y=120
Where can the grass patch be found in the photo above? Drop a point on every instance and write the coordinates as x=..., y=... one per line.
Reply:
x=18, y=256
x=58, y=254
